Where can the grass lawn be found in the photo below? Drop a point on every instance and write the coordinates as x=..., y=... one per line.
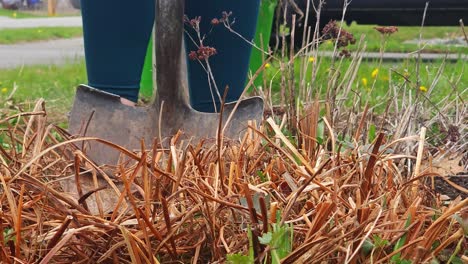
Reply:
x=395, y=43
x=386, y=74
x=54, y=83
x=18, y=14
x=12, y=36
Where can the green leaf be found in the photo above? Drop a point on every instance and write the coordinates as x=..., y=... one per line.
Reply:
x=462, y=222
x=284, y=30
x=457, y=260
x=367, y=247
x=281, y=241
x=262, y=176
x=320, y=131
x=9, y=235
x=400, y=243
x=371, y=134
x=265, y=239
x=379, y=242
x=238, y=259
x=397, y=260
x=251, y=249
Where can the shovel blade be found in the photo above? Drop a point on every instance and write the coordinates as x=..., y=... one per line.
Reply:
x=100, y=114
x=250, y=109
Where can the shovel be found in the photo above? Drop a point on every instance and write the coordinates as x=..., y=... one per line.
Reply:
x=100, y=114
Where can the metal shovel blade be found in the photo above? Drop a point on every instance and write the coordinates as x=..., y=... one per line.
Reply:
x=100, y=114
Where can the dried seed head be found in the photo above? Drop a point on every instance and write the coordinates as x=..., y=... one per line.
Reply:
x=203, y=52
x=214, y=21
x=332, y=31
x=386, y=30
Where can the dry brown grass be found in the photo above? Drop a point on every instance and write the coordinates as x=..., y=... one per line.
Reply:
x=196, y=203
x=355, y=184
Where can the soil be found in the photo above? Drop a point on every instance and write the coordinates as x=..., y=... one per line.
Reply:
x=442, y=186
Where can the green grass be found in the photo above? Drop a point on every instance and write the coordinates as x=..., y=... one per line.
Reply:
x=57, y=83
x=54, y=83
x=395, y=42
x=12, y=36
x=17, y=14
x=387, y=73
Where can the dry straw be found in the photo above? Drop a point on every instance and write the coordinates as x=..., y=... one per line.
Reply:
x=182, y=208
x=352, y=184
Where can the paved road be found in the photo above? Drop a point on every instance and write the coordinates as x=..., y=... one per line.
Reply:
x=62, y=51
x=73, y=21
x=48, y=52
x=66, y=50
x=393, y=56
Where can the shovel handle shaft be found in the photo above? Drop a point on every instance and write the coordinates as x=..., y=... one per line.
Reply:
x=168, y=46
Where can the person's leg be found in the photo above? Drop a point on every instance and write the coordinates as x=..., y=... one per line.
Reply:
x=116, y=36
x=231, y=63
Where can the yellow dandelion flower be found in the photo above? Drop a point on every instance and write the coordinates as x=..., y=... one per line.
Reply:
x=268, y=65
x=14, y=14
x=311, y=59
x=374, y=73
x=364, y=82
x=4, y=90
x=423, y=88
x=406, y=74
x=329, y=42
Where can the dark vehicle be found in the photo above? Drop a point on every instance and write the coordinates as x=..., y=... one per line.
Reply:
x=378, y=12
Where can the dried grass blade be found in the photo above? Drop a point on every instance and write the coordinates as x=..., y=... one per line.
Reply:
x=53, y=241
x=363, y=239
x=4, y=256
x=155, y=232
x=78, y=182
x=361, y=123
x=293, y=200
x=323, y=211
x=456, y=236
x=435, y=228
x=69, y=142
x=167, y=220
x=10, y=198
x=367, y=180
x=250, y=203
x=389, y=256
x=130, y=245
x=422, y=138
x=310, y=126
x=169, y=235
x=264, y=210
x=18, y=223
x=53, y=252
x=290, y=146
